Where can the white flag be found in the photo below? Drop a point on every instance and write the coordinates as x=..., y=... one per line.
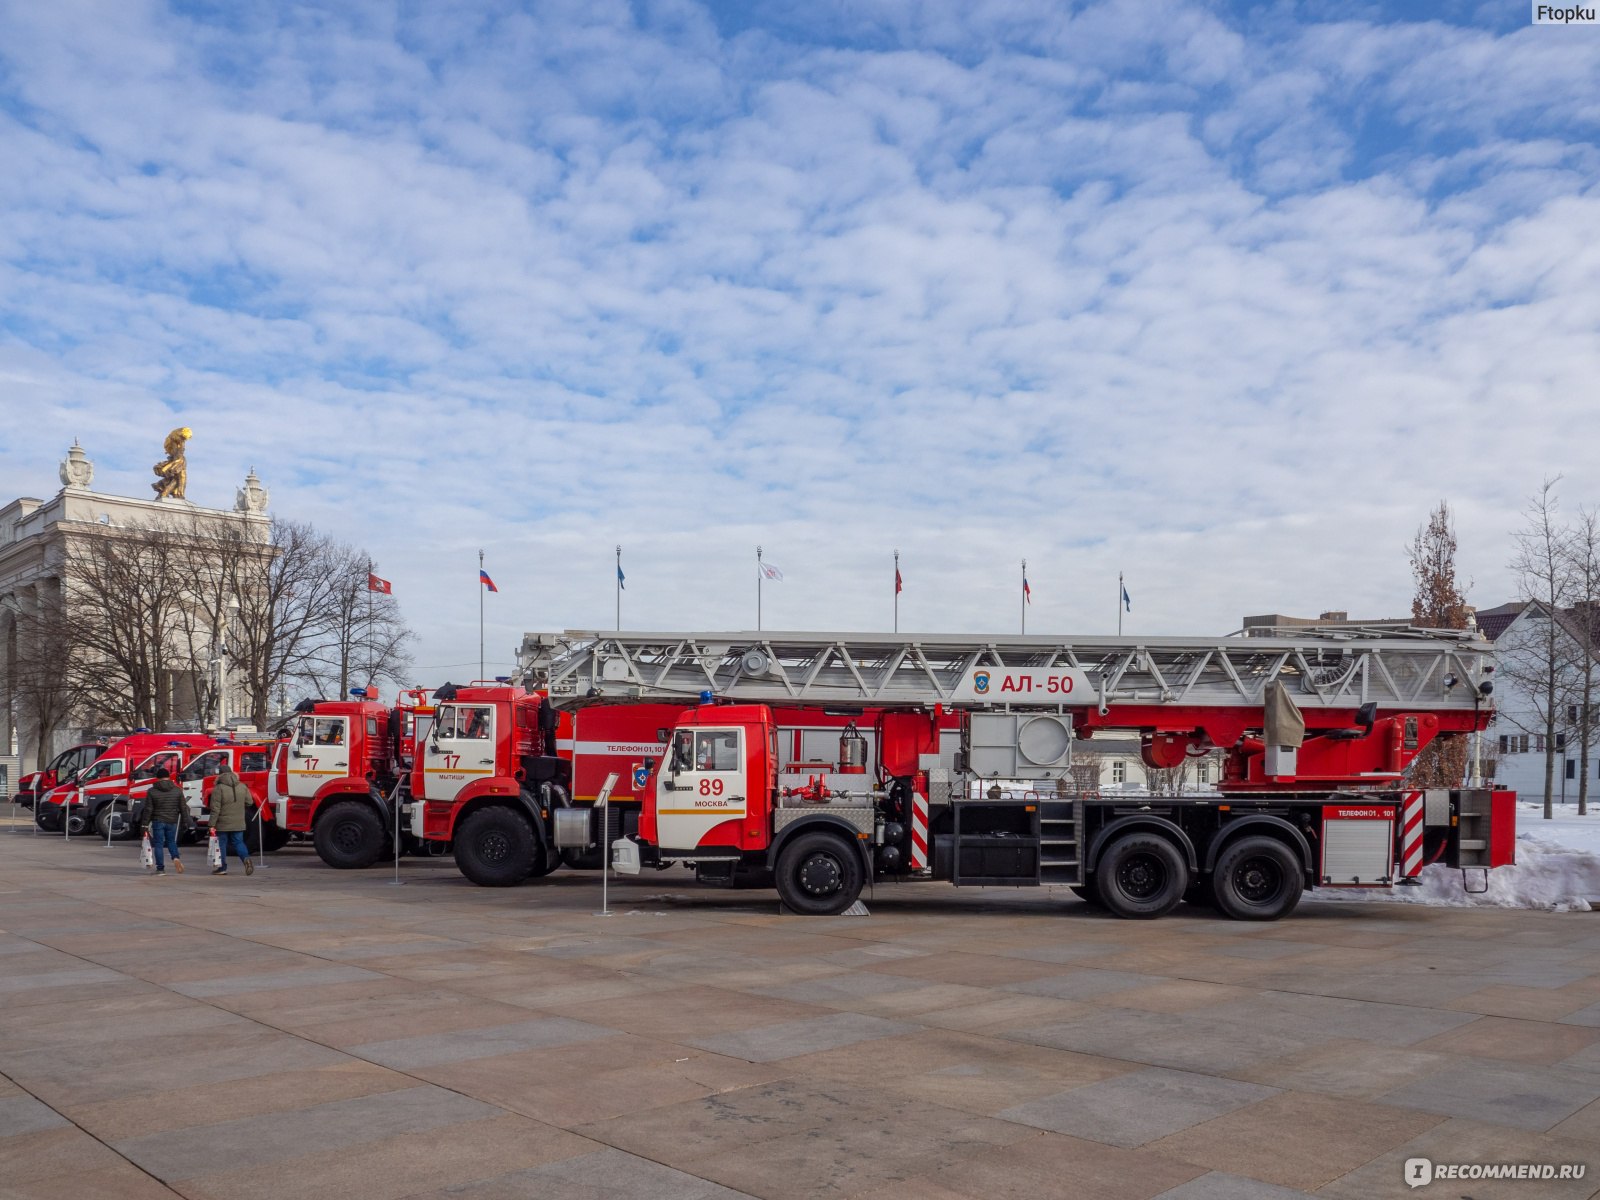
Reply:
x=771, y=572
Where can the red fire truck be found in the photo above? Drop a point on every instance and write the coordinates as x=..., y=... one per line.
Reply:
x=117, y=781
x=249, y=760
x=61, y=769
x=1316, y=732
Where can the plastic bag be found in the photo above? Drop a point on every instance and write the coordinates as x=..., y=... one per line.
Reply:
x=214, y=852
x=147, y=856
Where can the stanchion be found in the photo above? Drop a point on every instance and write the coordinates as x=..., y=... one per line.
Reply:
x=603, y=803
x=394, y=803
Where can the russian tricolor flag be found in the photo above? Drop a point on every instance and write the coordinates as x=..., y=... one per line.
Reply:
x=483, y=578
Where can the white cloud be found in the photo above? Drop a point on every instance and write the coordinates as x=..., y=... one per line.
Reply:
x=1224, y=305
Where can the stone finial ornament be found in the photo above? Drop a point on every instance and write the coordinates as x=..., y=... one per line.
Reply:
x=76, y=469
x=252, y=496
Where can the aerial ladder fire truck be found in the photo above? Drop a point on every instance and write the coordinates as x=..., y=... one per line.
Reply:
x=1316, y=731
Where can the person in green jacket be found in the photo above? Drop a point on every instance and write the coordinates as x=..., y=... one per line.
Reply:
x=164, y=810
x=231, y=803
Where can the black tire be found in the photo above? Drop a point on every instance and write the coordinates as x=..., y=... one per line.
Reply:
x=819, y=874
x=102, y=822
x=495, y=847
x=1088, y=893
x=350, y=835
x=273, y=839
x=1258, y=879
x=1141, y=876
x=545, y=863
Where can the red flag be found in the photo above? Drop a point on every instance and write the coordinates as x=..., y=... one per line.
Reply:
x=899, y=586
x=374, y=584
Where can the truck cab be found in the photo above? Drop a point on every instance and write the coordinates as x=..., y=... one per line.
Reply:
x=333, y=776
x=63, y=768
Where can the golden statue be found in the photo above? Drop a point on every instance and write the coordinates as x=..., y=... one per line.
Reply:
x=174, y=470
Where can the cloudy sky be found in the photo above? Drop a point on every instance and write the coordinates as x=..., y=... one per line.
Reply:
x=1221, y=297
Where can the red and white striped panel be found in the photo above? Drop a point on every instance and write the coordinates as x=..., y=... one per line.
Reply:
x=919, y=831
x=1411, y=813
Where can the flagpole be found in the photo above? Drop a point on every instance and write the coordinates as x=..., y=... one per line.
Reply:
x=1024, y=596
x=481, y=590
x=897, y=591
x=758, y=589
x=371, y=666
x=1119, y=603
x=619, y=588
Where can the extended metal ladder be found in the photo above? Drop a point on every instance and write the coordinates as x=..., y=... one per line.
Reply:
x=1432, y=669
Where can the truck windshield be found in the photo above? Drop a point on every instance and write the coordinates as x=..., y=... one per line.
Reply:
x=105, y=768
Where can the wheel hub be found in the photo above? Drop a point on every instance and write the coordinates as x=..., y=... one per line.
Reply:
x=820, y=875
x=494, y=847
x=1142, y=877
x=1256, y=880
x=347, y=836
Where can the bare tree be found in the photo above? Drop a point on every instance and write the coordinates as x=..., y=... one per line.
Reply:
x=1176, y=781
x=41, y=671
x=123, y=599
x=1583, y=552
x=1439, y=602
x=1540, y=660
x=365, y=640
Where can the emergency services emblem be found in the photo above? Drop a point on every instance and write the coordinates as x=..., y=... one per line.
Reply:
x=980, y=683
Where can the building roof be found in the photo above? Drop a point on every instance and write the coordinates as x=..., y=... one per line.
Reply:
x=1492, y=622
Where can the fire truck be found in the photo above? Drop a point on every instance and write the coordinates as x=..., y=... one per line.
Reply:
x=1316, y=732
x=249, y=760
x=61, y=769
x=336, y=773
x=116, y=781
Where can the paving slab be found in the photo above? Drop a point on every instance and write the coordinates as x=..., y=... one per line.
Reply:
x=1138, y=1107
x=789, y=1039
x=428, y=1050
x=316, y=1032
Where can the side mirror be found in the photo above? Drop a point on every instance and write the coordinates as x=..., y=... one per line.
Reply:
x=1367, y=716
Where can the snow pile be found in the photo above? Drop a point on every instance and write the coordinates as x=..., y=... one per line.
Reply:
x=1557, y=868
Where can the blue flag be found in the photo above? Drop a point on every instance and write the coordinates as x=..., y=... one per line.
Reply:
x=1127, y=602
x=621, y=578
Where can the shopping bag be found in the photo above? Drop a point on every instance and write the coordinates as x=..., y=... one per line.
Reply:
x=147, y=856
x=214, y=852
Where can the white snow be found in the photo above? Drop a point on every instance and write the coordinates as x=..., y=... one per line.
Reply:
x=1557, y=868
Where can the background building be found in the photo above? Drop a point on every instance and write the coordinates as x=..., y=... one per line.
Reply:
x=50, y=551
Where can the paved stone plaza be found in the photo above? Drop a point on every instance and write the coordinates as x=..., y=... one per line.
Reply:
x=312, y=1033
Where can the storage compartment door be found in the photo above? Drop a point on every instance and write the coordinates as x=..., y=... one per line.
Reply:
x=1357, y=845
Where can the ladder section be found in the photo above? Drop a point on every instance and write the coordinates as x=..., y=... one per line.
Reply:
x=1435, y=669
x=1060, y=841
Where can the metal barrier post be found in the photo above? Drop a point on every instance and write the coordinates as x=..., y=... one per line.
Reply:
x=394, y=803
x=603, y=804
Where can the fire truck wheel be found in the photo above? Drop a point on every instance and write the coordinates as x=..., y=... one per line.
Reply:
x=494, y=847
x=1258, y=879
x=350, y=835
x=544, y=863
x=1141, y=876
x=819, y=874
x=102, y=822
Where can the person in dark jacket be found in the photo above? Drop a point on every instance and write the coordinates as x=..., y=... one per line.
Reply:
x=231, y=803
x=164, y=804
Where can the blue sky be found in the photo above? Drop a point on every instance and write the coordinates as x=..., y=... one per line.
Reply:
x=1224, y=297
